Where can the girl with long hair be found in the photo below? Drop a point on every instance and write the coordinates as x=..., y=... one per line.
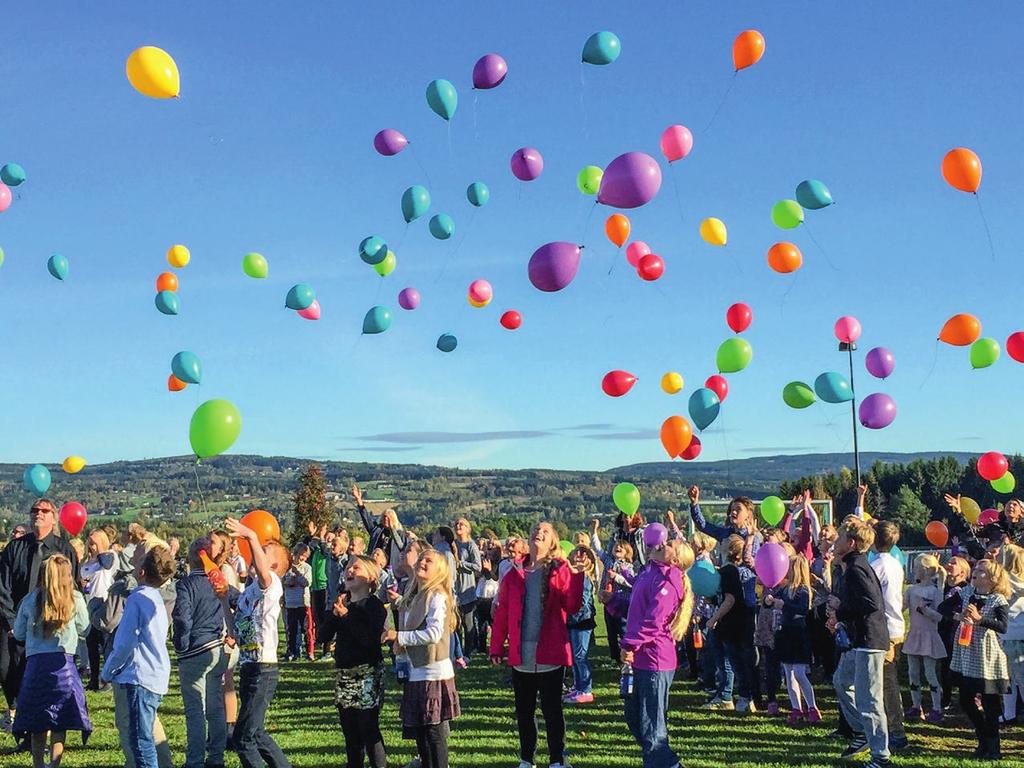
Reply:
x=793, y=640
x=581, y=628
x=923, y=646
x=1013, y=640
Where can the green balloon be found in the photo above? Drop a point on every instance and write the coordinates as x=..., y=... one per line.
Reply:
x=254, y=265
x=626, y=497
x=566, y=547
x=733, y=355
x=787, y=214
x=984, y=352
x=214, y=428
x=773, y=510
x=796, y=394
x=1, y=257
x=386, y=267
x=589, y=180
x=1005, y=484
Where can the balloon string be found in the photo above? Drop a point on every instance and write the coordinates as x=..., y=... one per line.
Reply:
x=821, y=248
x=583, y=101
x=984, y=221
x=476, y=132
x=451, y=254
x=782, y=306
x=401, y=240
x=449, y=142
x=679, y=200
x=202, y=499
x=721, y=103
x=725, y=447
x=420, y=164
x=935, y=359
x=586, y=224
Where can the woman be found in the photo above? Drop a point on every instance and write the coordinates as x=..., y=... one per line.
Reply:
x=385, y=533
x=97, y=575
x=486, y=591
x=534, y=605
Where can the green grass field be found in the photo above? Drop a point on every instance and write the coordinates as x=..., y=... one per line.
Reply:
x=304, y=721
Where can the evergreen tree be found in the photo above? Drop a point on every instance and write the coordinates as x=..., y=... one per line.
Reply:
x=311, y=502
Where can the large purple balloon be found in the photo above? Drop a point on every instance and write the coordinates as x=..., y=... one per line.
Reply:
x=553, y=266
x=880, y=362
x=389, y=142
x=655, y=534
x=771, y=564
x=408, y=298
x=877, y=411
x=629, y=181
x=489, y=71
x=527, y=164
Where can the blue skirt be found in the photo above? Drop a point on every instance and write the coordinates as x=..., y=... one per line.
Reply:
x=51, y=697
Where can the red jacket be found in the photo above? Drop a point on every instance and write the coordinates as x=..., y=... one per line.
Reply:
x=565, y=596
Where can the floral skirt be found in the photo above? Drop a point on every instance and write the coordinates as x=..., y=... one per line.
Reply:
x=359, y=687
x=51, y=697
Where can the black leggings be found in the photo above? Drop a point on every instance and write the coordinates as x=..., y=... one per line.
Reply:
x=362, y=736
x=432, y=744
x=94, y=642
x=986, y=723
x=614, y=627
x=527, y=685
x=12, y=666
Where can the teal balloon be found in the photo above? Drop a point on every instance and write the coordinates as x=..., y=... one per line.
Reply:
x=300, y=296
x=36, y=479
x=12, y=174
x=796, y=394
x=377, y=320
x=601, y=48
x=704, y=579
x=447, y=342
x=415, y=202
x=833, y=387
x=58, y=266
x=478, y=194
x=167, y=302
x=704, y=407
x=442, y=98
x=813, y=195
x=442, y=226
x=186, y=366
x=373, y=250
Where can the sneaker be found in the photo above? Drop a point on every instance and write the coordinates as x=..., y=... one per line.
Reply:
x=746, y=705
x=794, y=717
x=858, y=744
x=878, y=762
x=569, y=695
x=461, y=662
x=898, y=744
x=522, y=764
x=560, y=765
x=415, y=763
x=914, y=713
x=6, y=723
x=813, y=716
x=840, y=735
x=720, y=705
x=935, y=716
x=773, y=708
x=310, y=657
x=580, y=698
x=326, y=656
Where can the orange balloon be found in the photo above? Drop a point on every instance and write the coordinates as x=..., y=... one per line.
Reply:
x=937, y=533
x=266, y=527
x=166, y=281
x=960, y=330
x=617, y=229
x=676, y=435
x=785, y=257
x=961, y=169
x=747, y=49
x=174, y=384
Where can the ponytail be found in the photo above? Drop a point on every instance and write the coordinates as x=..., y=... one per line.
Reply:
x=681, y=621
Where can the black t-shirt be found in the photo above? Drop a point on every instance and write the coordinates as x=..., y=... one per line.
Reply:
x=357, y=633
x=739, y=621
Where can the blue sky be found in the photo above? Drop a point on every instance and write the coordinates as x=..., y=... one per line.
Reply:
x=270, y=149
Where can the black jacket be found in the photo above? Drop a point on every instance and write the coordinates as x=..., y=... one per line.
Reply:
x=16, y=578
x=861, y=608
x=357, y=633
x=198, y=616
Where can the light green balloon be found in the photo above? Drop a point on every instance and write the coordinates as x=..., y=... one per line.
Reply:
x=787, y=214
x=984, y=352
x=1, y=257
x=773, y=510
x=796, y=394
x=214, y=428
x=386, y=267
x=255, y=265
x=733, y=355
x=1005, y=484
x=627, y=498
x=589, y=180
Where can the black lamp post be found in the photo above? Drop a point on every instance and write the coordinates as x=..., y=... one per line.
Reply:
x=849, y=347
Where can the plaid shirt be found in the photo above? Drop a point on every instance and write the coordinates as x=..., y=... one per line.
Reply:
x=983, y=659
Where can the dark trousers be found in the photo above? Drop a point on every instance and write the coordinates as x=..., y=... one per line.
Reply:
x=432, y=744
x=12, y=667
x=769, y=663
x=891, y=698
x=743, y=659
x=823, y=642
x=300, y=637
x=483, y=623
x=256, y=686
x=986, y=720
x=467, y=629
x=318, y=600
x=362, y=736
x=614, y=626
x=527, y=686
x=945, y=674
x=94, y=643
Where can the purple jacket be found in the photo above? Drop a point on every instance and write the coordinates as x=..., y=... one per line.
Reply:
x=657, y=592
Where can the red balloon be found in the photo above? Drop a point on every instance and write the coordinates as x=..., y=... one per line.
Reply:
x=692, y=450
x=511, y=320
x=650, y=267
x=73, y=517
x=718, y=385
x=618, y=383
x=739, y=317
x=992, y=465
x=1015, y=346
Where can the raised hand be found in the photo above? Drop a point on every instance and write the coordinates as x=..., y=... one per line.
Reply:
x=357, y=495
x=954, y=503
x=311, y=526
x=694, y=494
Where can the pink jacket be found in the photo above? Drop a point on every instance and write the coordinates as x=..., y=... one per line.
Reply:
x=565, y=596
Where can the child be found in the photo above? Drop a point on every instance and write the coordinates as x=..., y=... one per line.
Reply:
x=616, y=585
x=733, y=623
x=1013, y=640
x=49, y=621
x=581, y=628
x=357, y=622
x=767, y=623
x=793, y=641
x=427, y=620
x=138, y=662
x=296, y=584
x=256, y=618
x=977, y=656
x=659, y=616
x=923, y=646
x=958, y=576
x=386, y=578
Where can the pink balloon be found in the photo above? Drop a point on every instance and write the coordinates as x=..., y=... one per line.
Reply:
x=5, y=197
x=676, y=142
x=771, y=564
x=480, y=291
x=636, y=251
x=312, y=312
x=847, y=329
x=527, y=164
x=408, y=298
x=988, y=516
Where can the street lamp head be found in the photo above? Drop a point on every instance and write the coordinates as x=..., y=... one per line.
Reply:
x=847, y=346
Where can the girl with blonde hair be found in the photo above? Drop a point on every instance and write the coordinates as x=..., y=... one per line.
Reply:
x=793, y=641
x=923, y=646
x=1013, y=640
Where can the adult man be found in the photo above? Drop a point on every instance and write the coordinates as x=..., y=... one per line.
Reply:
x=889, y=571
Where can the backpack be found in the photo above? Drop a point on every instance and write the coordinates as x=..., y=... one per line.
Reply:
x=748, y=580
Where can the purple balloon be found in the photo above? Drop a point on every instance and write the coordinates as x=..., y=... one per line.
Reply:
x=771, y=564
x=527, y=164
x=877, y=411
x=629, y=181
x=655, y=535
x=489, y=71
x=389, y=142
x=408, y=298
x=553, y=266
x=880, y=362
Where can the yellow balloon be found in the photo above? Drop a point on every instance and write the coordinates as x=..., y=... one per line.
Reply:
x=971, y=509
x=73, y=464
x=477, y=304
x=713, y=231
x=671, y=382
x=152, y=72
x=178, y=256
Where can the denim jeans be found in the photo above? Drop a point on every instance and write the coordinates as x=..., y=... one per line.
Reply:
x=647, y=717
x=722, y=667
x=858, y=683
x=256, y=686
x=124, y=736
x=202, y=693
x=743, y=659
x=142, y=707
x=579, y=639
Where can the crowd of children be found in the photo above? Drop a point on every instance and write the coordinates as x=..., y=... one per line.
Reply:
x=422, y=607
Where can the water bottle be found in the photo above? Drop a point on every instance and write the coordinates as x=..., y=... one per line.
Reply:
x=842, y=638
x=626, y=681
x=698, y=639
x=966, y=634
x=402, y=670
